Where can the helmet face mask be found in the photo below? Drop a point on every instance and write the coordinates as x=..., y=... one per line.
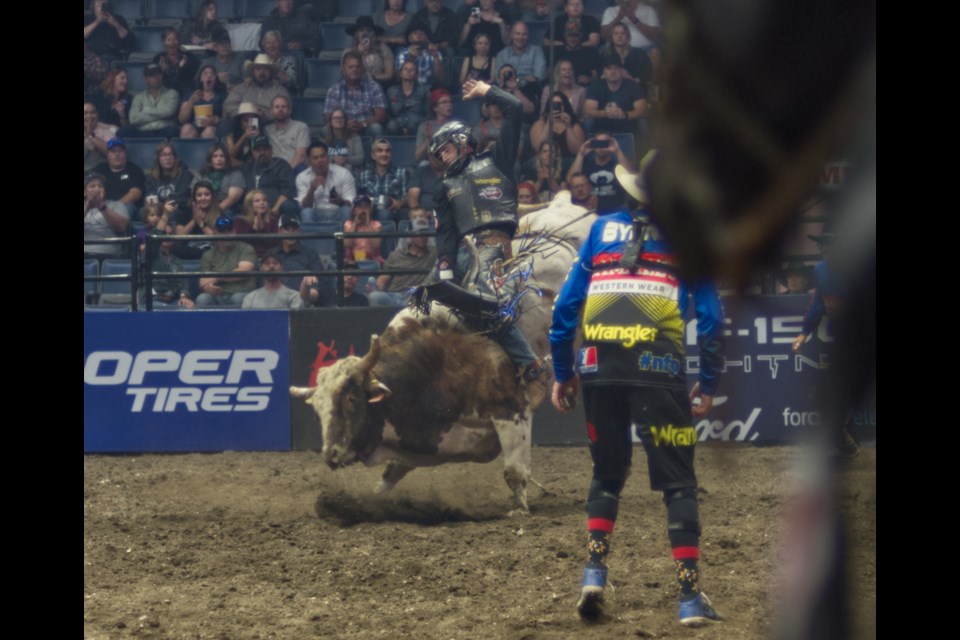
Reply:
x=460, y=136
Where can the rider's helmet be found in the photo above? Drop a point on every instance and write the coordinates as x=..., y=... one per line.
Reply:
x=460, y=136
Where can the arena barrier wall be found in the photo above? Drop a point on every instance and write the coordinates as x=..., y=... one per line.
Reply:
x=212, y=381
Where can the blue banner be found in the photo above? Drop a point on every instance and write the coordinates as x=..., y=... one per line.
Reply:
x=186, y=381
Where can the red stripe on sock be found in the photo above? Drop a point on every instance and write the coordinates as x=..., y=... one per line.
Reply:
x=686, y=553
x=600, y=524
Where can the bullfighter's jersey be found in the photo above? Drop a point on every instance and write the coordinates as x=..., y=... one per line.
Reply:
x=633, y=327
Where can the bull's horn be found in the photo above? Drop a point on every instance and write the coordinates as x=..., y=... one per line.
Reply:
x=303, y=392
x=377, y=391
x=372, y=356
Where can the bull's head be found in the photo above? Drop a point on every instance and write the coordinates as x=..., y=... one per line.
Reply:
x=342, y=400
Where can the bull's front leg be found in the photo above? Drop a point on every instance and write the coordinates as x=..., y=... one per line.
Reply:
x=392, y=474
x=514, y=437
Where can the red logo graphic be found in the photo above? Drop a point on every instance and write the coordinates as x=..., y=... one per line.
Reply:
x=591, y=432
x=490, y=193
x=587, y=360
x=326, y=356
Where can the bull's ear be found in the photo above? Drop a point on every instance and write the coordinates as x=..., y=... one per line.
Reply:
x=377, y=391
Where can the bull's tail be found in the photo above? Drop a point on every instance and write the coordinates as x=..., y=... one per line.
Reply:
x=303, y=392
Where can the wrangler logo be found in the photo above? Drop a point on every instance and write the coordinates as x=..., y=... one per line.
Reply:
x=627, y=336
x=487, y=181
x=674, y=436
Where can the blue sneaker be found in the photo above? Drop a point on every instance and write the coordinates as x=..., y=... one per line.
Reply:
x=590, y=605
x=698, y=611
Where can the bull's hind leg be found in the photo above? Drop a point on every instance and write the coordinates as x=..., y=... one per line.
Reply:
x=392, y=474
x=514, y=437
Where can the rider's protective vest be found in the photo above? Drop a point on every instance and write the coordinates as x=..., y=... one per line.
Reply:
x=482, y=197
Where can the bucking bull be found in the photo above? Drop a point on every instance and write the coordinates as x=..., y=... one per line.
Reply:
x=428, y=392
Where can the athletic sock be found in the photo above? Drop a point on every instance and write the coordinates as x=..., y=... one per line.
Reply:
x=688, y=571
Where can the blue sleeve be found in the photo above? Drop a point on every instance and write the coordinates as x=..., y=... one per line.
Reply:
x=566, y=312
x=816, y=308
x=710, y=339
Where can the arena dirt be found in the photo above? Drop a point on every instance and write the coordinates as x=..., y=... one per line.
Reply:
x=276, y=545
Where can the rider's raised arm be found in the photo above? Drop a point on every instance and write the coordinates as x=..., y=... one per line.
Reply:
x=508, y=143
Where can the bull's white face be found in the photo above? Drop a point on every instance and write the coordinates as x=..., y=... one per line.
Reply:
x=340, y=401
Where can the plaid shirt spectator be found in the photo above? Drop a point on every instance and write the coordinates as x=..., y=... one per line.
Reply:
x=393, y=183
x=357, y=104
x=424, y=62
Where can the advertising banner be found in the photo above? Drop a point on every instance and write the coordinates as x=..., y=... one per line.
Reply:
x=187, y=381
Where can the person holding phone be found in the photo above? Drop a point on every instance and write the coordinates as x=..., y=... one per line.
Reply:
x=597, y=159
x=483, y=18
x=615, y=103
x=558, y=123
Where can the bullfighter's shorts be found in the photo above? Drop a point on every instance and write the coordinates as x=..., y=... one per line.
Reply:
x=664, y=425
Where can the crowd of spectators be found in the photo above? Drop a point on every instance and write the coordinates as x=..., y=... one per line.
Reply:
x=399, y=80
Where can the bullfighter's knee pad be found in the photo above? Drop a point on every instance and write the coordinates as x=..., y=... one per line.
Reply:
x=683, y=516
x=604, y=498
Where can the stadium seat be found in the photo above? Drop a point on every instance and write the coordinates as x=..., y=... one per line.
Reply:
x=387, y=245
x=335, y=36
x=467, y=111
x=193, y=151
x=227, y=10
x=194, y=286
x=321, y=75
x=135, y=80
x=141, y=151
x=538, y=31
x=403, y=148
x=323, y=246
x=350, y=10
x=256, y=10
x=147, y=40
x=596, y=7
x=133, y=11
x=113, y=292
x=309, y=111
x=167, y=12
x=367, y=265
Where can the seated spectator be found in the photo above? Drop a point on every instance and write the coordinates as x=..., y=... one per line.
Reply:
x=101, y=219
x=345, y=146
x=168, y=291
x=203, y=28
x=642, y=21
x=407, y=101
x=284, y=66
x=199, y=219
x=226, y=291
x=560, y=125
x=96, y=135
x=295, y=257
x=393, y=19
x=113, y=101
x=615, y=104
x=585, y=60
x=507, y=80
x=412, y=253
x=424, y=181
x=360, y=222
x=377, y=56
x=526, y=193
x=581, y=192
x=157, y=216
x=439, y=23
x=259, y=90
x=246, y=126
x=564, y=81
x=424, y=54
x=441, y=105
x=288, y=137
x=538, y=10
x=478, y=65
x=634, y=63
x=351, y=297
x=179, y=67
x=94, y=70
x=544, y=171
x=273, y=294
x=153, y=112
x=273, y=176
x=384, y=182
x=168, y=179
x=257, y=217
x=325, y=192
x=526, y=59
x=123, y=180
x=228, y=64
x=200, y=113
x=106, y=32
x=227, y=183
x=597, y=159
x=796, y=278
x=299, y=33
x=573, y=19
x=361, y=99
x=483, y=19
